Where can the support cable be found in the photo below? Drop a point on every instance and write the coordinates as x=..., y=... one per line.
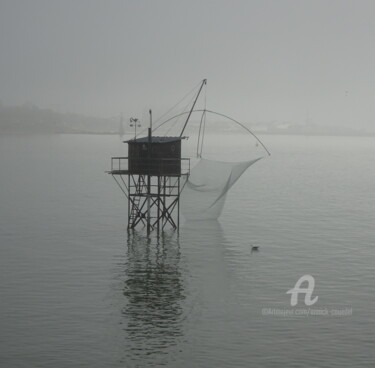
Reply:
x=225, y=116
x=171, y=109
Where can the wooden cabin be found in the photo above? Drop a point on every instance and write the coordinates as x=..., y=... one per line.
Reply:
x=161, y=157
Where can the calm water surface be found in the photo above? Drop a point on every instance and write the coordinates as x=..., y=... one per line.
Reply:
x=77, y=290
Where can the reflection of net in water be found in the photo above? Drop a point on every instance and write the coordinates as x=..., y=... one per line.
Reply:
x=205, y=191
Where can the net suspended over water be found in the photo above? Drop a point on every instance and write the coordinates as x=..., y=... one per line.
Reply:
x=205, y=190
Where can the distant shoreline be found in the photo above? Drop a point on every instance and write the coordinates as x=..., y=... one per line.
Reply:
x=310, y=134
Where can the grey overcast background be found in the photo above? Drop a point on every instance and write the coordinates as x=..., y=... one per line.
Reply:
x=264, y=60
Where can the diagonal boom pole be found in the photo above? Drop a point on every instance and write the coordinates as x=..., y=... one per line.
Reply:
x=192, y=108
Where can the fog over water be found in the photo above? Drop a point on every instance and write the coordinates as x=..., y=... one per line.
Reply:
x=77, y=289
x=264, y=60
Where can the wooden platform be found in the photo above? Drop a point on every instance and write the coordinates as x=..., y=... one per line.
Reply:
x=127, y=172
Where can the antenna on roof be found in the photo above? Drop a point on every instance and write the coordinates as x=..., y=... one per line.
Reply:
x=150, y=111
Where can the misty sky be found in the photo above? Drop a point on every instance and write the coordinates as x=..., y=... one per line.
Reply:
x=264, y=60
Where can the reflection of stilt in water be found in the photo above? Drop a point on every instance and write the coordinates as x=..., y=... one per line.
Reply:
x=153, y=289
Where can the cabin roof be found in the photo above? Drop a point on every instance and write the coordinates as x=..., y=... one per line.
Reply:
x=155, y=140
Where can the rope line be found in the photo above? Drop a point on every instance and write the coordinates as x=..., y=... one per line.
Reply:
x=173, y=107
x=225, y=116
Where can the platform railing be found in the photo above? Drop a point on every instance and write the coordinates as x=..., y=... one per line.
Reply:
x=154, y=166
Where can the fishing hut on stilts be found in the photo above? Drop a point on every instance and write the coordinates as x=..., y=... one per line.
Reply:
x=154, y=175
x=152, y=178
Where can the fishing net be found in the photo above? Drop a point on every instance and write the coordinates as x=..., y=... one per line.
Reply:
x=205, y=190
